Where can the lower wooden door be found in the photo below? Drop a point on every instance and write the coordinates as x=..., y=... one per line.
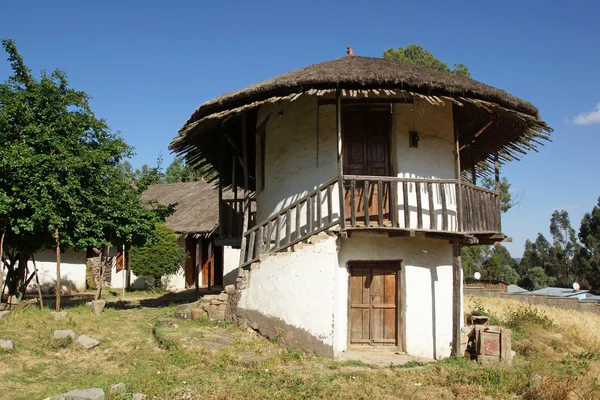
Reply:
x=374, y=318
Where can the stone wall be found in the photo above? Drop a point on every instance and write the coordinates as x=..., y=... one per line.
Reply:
x=564, y=303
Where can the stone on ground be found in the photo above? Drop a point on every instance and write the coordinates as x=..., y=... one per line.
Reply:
x=85, y=394
x=118, y=388
x=139, y=396
x=230, y=289
x=63, y=334
x=87, y=342
x=6, y=344
x=4, y=314
x=58, y=315
x=98, y=306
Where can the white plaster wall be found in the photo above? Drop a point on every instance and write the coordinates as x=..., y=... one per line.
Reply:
x=72, y=271
x=300, y=155
x=297, y=287
x=231, y=262
x=426, y=282
x=433, y=159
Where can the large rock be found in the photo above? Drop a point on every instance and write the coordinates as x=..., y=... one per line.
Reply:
x=198, y=313
x=4, y=314
x=87, y=342
x=64, y=334
x=230, y=289
x=216, y=313
x=98, y=306
x=223, y=297
x=139, y=396
x=58, y=315
x=85, y=394
x=6, y=344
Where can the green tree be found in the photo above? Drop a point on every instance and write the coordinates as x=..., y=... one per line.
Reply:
x=500, y=266
x=589, y=255
x=535, y=279
x=417, y=55
x=59, y=172
x=565, y=244
x=180, y=171
x=159, y=257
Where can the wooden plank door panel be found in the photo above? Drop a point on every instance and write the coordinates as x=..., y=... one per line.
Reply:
x=373, y=314
x=366, y=152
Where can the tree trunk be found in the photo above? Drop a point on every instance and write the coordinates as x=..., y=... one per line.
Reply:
x=2, y=264
x=16, y=282
x=58, y=285
x=100, y=276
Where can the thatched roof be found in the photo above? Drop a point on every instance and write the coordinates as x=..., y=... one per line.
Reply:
x=488, y=119
x=196, y=205
x=364, y=73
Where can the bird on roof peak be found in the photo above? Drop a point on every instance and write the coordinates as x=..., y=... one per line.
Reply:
x=350, y=51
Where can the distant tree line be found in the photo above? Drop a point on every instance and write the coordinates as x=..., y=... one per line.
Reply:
x=569, y=256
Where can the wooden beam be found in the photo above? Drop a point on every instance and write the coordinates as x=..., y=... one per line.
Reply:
x=211, y=263
x=220, y=181
x=456, y=298
x=340, y=159
x=198, y=266
x=246, y=190
x=459, y=210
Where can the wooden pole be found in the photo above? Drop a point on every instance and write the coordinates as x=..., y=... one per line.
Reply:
x=211, y=261
x=340, y=161
x=58, y=285
x=473, y=174
x=123, y=272
x=201, y=255
x=456, y=298
x=198, y=264
x=246, y=192
x=2, y=262
x=37, y=281
x=497, y=171
x=100, y=275
x=459, y=213
x=220, y=181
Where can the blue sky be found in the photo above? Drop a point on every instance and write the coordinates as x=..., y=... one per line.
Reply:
x=148, y=65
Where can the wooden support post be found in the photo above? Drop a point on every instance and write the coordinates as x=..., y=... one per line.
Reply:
x=220, y=181
x=340, y=160
x=201, y=263
x=246, y=191
x=459, y=210
x=456, y=298
x=58, y=270
x=37, y=281
x=211, y=263
x=473, y=174
x=198, y=263
x=497, y=171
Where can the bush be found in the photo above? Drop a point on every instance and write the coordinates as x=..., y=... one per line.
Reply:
x=159, y=257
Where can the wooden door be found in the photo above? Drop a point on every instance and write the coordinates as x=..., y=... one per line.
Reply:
x=373, y=315
x=366, y=152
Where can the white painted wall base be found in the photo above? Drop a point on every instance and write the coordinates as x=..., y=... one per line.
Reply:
x=72, y=271
x=308, y=288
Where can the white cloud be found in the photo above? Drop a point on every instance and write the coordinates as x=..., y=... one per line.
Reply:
x=588, y=118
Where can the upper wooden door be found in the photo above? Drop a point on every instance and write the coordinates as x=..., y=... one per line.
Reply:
x=374, y=305
x=365, y=141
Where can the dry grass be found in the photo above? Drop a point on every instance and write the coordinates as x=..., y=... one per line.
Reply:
x=203, y=360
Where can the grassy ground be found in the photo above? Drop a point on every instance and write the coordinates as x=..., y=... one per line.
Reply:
x=558, y=358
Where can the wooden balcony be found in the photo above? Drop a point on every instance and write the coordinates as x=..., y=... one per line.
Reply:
x=232, y=219
x=411, y=204
x=399, y=206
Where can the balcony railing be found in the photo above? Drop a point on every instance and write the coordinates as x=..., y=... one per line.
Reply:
x=372, y=203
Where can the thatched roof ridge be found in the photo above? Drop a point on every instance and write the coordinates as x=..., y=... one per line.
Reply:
x=196, y=205
x=363, y=73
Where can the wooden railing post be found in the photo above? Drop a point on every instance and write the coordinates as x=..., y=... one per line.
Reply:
x=459, y=218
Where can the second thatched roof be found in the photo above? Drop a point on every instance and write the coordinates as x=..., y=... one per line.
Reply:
x=196, y=205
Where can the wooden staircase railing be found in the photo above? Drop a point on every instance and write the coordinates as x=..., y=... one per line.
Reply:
x=305, y=217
